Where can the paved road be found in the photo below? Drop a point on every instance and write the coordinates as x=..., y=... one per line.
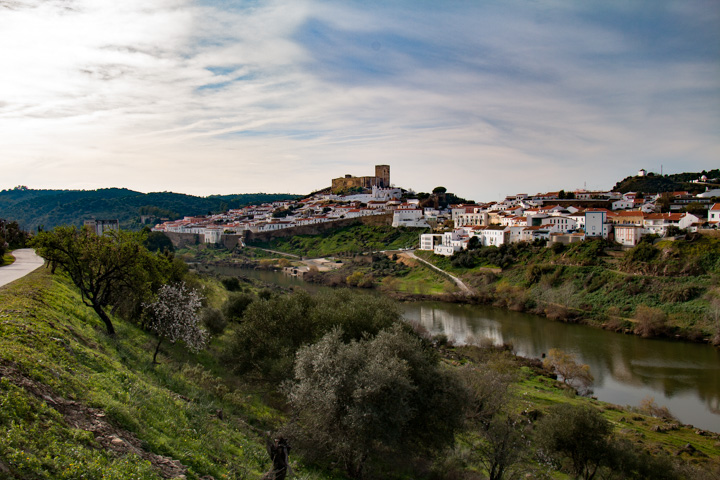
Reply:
x=26, y=260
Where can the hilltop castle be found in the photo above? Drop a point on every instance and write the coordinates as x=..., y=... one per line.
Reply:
x=381, y=179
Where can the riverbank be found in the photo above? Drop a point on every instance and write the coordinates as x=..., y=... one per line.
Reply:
x=665, y=290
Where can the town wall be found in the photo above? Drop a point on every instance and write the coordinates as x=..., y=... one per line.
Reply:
x=318, y=228
x=180, y=240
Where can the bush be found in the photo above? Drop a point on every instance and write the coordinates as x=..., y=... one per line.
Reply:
x=650, y=322
x=214, y=320
x=231, y=284
x=235, y=306
x=579, y=434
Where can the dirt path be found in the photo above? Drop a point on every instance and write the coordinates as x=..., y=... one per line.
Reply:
x=461, y=285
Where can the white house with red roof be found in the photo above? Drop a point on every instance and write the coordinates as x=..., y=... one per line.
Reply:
x=714, y=215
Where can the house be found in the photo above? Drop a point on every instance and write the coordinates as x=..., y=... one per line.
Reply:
x=628, y=235
x=596, y=224
x=658, y=223
x=628, y=217
x=714, y=215
x=561, y=223
x=409, y=216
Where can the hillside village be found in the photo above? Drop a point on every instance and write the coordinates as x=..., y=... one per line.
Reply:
x=564, y=217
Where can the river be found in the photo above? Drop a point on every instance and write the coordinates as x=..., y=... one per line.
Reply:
x=684, y=377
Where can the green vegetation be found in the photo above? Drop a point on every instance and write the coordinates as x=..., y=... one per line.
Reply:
x=346, y=241
x=595, y=283
x=50, y=208
x=653, y=183
x=110, y=269
x=77, y=403
x=11, y=238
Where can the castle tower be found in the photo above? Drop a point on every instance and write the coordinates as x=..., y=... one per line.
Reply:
x=382, y=172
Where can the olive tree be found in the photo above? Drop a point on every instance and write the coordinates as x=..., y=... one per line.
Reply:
x=174, y=317
x=496, y=436
x=578, y=434
x=100, y=266
x=387, y=394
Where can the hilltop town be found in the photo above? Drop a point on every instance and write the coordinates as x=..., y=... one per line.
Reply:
x=555, y=217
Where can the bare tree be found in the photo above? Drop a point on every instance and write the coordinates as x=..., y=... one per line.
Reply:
x=567, y=367
x=175, y=317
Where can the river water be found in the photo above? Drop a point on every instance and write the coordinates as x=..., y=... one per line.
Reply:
x=684, y=377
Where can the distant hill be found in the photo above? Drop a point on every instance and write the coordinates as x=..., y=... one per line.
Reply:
x=49, y=208
x=654, y=183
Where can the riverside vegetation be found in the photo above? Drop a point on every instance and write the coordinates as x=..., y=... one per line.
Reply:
x=359, y=393
x=661, y=287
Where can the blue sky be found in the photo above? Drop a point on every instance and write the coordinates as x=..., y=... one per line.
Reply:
x=486, y=98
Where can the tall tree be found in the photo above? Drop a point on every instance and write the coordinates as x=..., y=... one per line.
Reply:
x=99, y=265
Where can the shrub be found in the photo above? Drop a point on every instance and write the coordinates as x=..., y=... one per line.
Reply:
x=566, y=366
x=214, y=320
x=649, y=321
x=231, y=284
x=235, y=305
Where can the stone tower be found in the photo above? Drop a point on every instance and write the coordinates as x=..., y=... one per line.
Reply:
x=382, y=173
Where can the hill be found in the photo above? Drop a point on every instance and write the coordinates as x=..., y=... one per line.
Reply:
x=653, y=183
x=50, y=208
x=76, y=403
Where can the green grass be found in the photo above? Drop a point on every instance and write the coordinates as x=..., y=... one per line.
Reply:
x=7, y=259
x=420, y=281
x=54, y=351
x=347, y=240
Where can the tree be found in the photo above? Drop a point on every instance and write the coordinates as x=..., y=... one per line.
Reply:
x=174, y=317
x=577, y=433
x=566, y=366
x=439, y=190
x=158, y=242
x=99, y=265
x=499, y=439
x=503, y=447
x=387, y=394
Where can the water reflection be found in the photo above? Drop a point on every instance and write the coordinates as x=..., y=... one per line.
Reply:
x=684, y=377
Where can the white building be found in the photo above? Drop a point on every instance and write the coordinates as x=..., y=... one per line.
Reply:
x=628, y=235
x=596, y=224
x=409, y=216
x=714, y=215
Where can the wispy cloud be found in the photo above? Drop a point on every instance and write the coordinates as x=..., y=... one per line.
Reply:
x=486, y=99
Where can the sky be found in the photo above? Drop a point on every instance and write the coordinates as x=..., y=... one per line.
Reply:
x=485, y=98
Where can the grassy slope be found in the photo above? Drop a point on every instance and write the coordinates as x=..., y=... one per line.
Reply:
x=597, y=290
x=75, y=401
x=354, y=239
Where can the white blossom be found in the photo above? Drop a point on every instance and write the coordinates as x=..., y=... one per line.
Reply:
x=174, y=316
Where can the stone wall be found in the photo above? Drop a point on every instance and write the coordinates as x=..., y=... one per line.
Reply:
x=180, y=240
x=318, y=228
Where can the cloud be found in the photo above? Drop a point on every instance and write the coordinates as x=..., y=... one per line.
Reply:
x=486, y=99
